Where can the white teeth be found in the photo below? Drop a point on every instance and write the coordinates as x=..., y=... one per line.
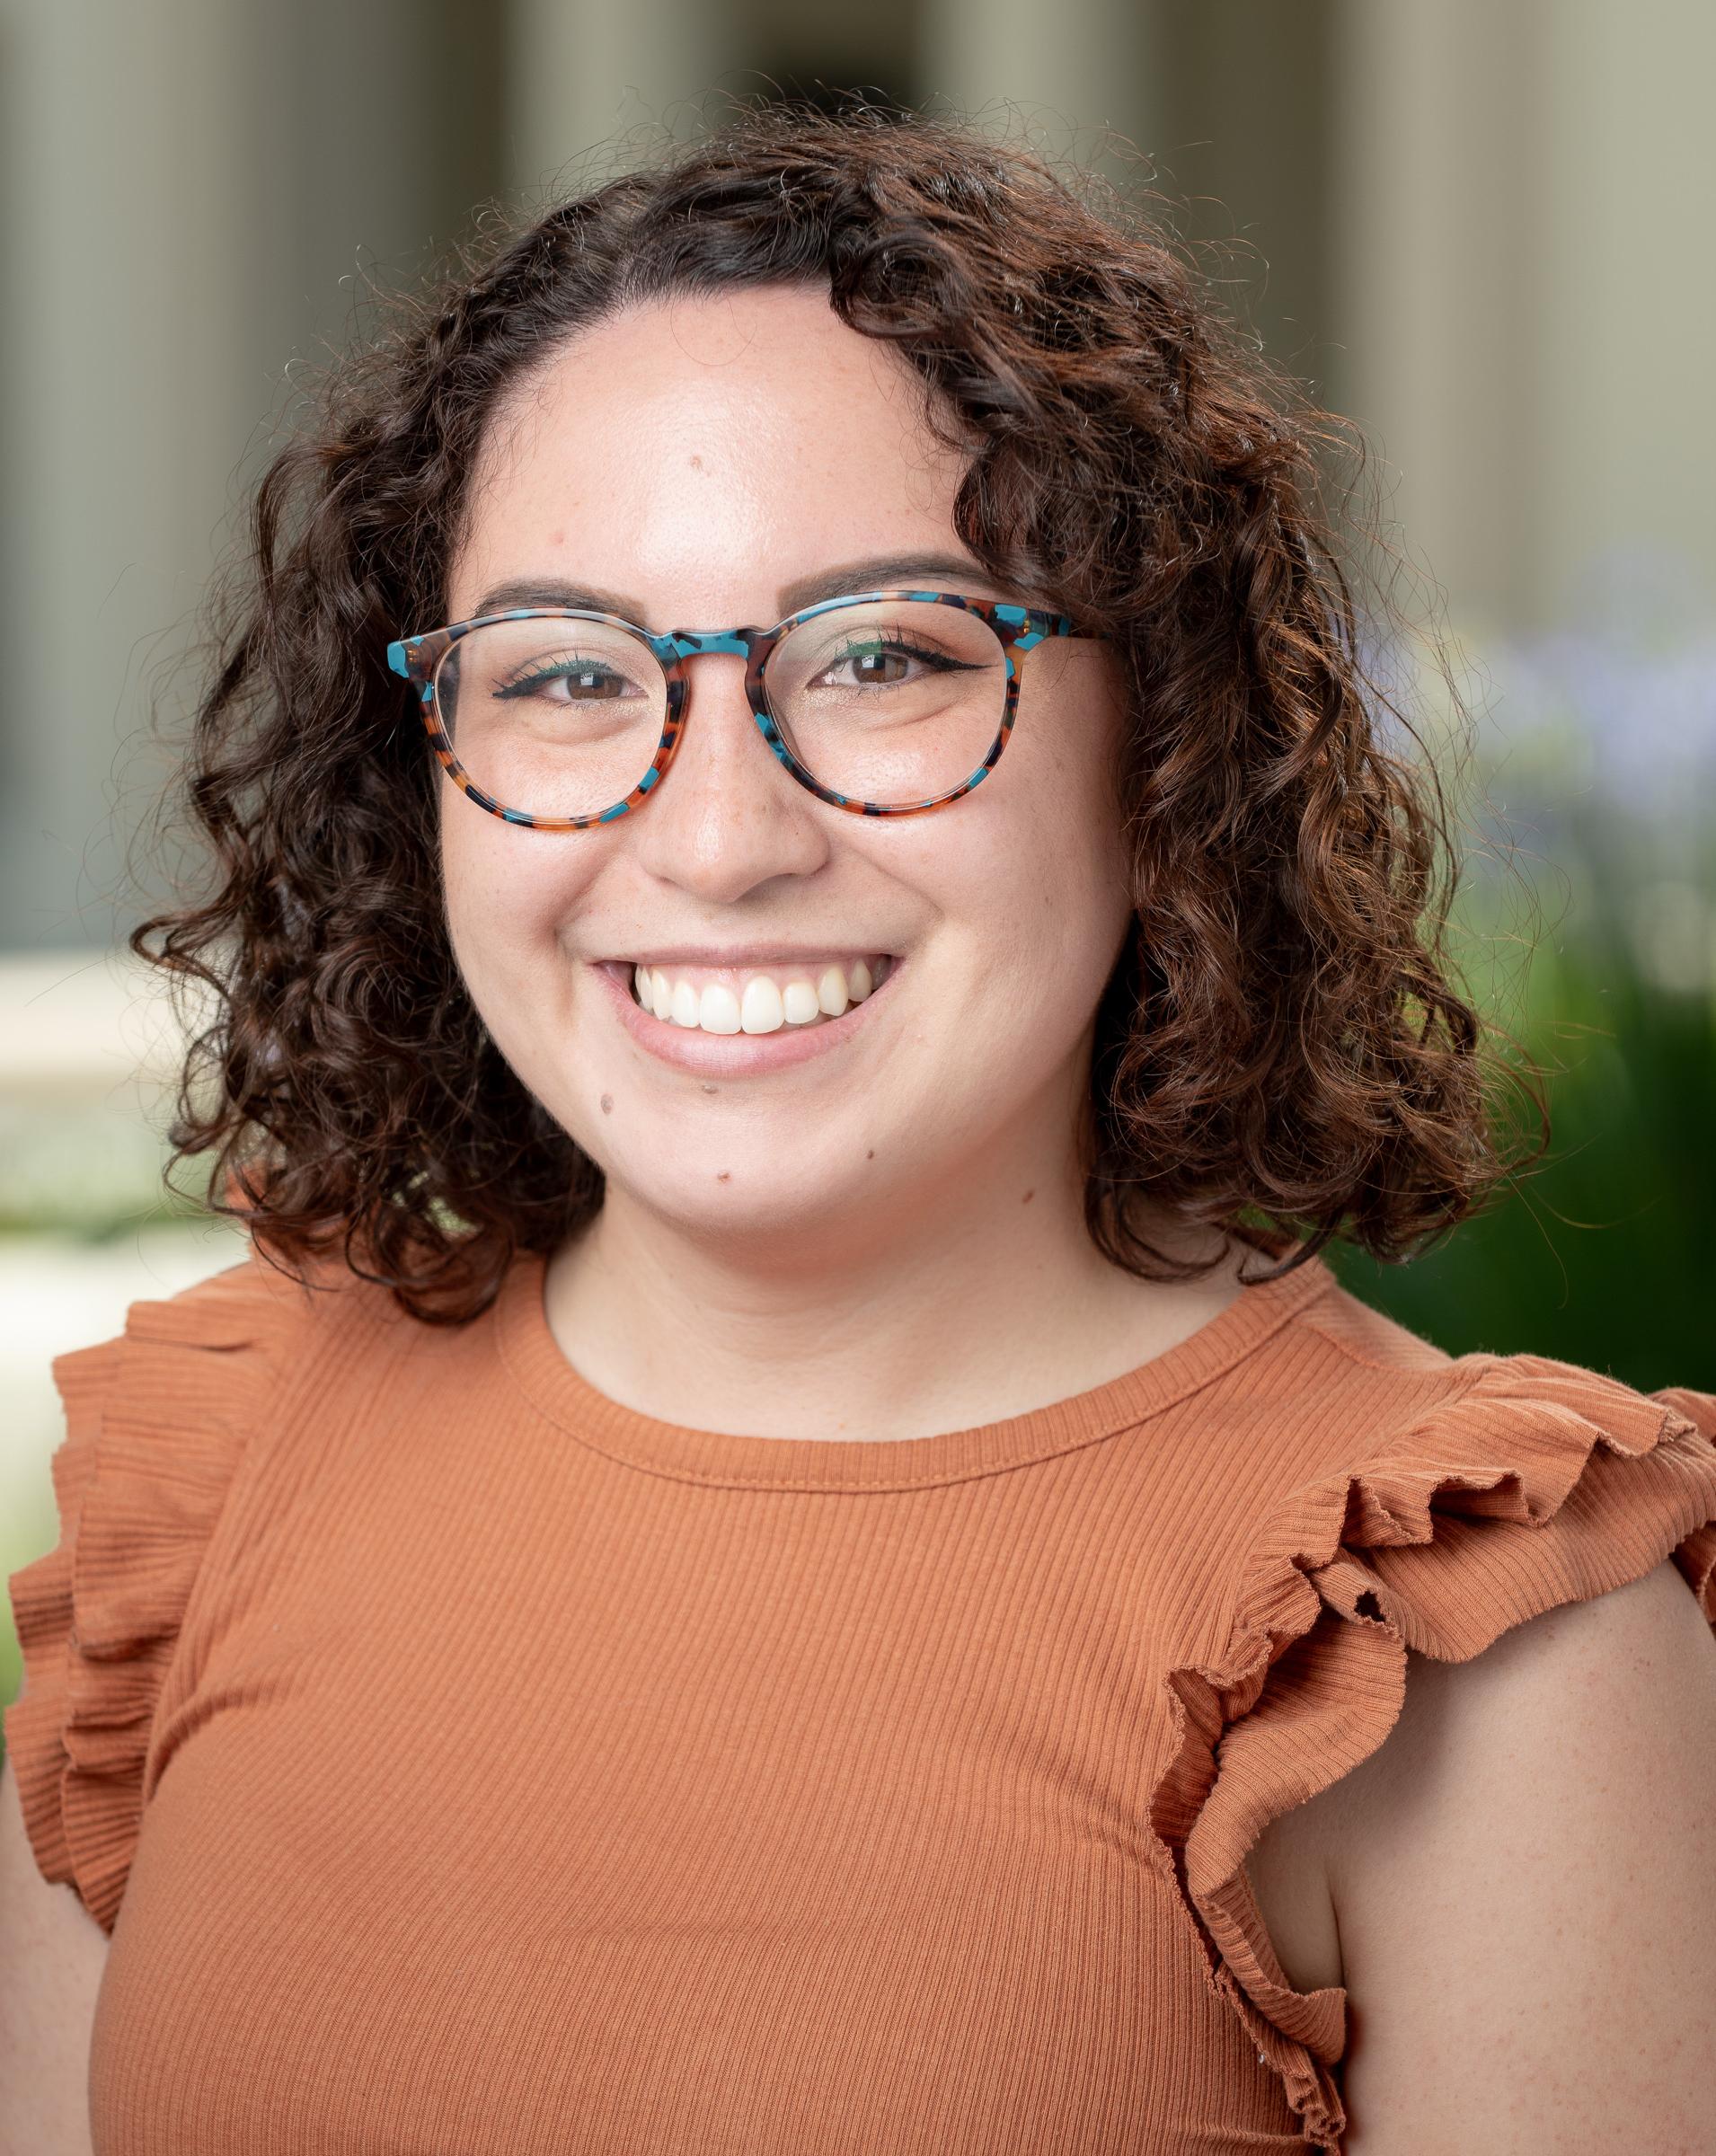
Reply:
x=717, y=1009
x=766, y=1003
x=762, y=1010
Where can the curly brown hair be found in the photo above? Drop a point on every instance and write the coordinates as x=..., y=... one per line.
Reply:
x=1282, y=1038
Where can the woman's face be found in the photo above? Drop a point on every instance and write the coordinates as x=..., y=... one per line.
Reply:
x=693, y=462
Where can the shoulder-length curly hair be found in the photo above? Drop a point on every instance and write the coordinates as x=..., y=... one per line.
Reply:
x=1281, y=1036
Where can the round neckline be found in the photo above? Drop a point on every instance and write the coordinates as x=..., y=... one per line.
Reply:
x=535, y=1361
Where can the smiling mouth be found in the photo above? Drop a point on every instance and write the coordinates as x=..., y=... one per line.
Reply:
x=756, y=1000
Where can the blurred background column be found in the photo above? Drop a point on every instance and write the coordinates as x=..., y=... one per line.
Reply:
x=576, y=74
x=192, y=187
x=1073, y=70
x=1522, y=290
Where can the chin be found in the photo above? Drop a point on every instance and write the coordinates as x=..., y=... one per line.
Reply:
x=751, y=1186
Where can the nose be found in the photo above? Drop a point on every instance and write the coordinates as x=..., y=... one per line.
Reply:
x=727, y=815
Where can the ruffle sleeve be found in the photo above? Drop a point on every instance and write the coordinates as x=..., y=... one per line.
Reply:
x=1537, y=1483
x=156, y=1421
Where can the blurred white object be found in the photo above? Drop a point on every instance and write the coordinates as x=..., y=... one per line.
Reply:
x=84, y=1021
x=91, y=1050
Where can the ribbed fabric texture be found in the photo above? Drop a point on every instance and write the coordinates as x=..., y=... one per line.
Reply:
x=467, y=1765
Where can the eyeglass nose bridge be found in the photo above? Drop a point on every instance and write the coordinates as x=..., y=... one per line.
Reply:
x=687, y=643
x=753, y=645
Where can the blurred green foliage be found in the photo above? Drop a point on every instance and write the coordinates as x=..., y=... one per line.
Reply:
x=1596, y=1253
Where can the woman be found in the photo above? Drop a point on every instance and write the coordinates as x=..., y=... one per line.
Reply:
x=783, y=1544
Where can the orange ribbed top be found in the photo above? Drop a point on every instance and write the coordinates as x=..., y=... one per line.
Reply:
x=467, y=1765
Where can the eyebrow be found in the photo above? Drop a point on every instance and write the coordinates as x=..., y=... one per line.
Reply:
x=878, y=572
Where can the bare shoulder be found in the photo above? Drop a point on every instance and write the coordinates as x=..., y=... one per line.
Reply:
x=1505, y=1884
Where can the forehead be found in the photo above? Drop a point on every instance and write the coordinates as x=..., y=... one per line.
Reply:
x=753, y=426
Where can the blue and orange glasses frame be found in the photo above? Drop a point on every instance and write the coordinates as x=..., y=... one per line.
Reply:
x=1017, y=629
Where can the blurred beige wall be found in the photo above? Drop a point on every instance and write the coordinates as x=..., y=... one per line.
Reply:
x=579, y=76
x=190, y=189
x=1518, y=232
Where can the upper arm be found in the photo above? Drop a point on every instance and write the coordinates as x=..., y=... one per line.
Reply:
x=1524, y=1880
x=51, y=1961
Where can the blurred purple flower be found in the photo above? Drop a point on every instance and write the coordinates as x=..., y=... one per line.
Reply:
x=1625, y=691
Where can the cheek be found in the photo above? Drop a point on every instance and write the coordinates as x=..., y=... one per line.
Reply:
x=1067, y=905
x=1071, y=869
x=1069, y=746
x=1040, y=901
x=509, y=893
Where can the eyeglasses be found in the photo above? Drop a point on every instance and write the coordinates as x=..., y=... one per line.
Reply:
x=882, y=704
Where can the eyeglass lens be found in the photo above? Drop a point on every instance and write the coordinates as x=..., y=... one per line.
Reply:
x=892, y=702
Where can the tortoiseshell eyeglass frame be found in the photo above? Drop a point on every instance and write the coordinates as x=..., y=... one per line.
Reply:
x=1017, y=629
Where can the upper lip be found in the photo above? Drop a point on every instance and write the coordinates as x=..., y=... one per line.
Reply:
x=748, y=954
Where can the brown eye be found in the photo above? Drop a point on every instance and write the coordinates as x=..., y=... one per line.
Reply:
x=879, y=663
x=586, y=682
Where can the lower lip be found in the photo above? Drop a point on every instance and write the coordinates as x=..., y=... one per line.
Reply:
x=736, y=1055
